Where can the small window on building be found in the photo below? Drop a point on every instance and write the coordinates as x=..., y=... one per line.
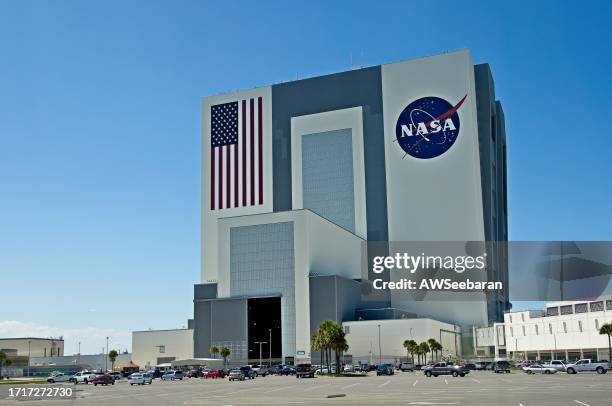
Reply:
x=564, y=327
x=596, y=306
x=580, y=325
x=609, y=304
x=581, y=308
x=567, y=309
x=552, y=311
x=162, y=349
x=596, y=324
x=524, y=331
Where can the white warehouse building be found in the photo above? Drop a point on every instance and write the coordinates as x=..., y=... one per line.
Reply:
x=563, y=330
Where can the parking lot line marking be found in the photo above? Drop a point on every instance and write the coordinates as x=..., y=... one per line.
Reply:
x=445, y=381
x=283, y=388
x=582, y=403
x=475, y=380
x=351, y=385
x=415, y=382
x=383, y=384
x=316, y=387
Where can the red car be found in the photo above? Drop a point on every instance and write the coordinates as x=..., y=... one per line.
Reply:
x=215, y=373
x=103, y=380
x=195, y=373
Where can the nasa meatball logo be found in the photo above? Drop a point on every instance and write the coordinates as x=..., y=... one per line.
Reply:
x=428, y=127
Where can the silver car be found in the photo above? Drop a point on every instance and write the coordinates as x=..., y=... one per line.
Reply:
x=138, y=378
x=236, y=374
x=539, y=369
x=60, y=378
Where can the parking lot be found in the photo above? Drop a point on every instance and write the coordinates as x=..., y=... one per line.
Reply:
x=408, y=388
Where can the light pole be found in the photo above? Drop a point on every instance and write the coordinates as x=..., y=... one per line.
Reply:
x=270, y=353
x=260, y=344
x=29, y=352
x=79, y=357
x=106, y=358
x=379, y=347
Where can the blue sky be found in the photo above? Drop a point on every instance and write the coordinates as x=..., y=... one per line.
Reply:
x=99, y=132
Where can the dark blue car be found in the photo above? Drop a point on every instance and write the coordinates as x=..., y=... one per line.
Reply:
x=384, y=369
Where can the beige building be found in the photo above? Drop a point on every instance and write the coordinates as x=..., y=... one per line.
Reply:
x=155, y=347
x=32, y=347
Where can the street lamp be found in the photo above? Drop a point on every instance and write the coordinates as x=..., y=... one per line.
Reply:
x=379, y=347
x=79, y=357
x=270, y=353
x=260, y=344
x=106, y=358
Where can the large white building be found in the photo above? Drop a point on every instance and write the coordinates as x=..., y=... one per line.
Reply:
x=154, y=347
x=301, y=179
x=563, y=330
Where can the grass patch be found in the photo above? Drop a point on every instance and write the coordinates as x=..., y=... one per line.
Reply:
x=22, y=381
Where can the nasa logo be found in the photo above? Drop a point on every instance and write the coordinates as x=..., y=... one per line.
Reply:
x=428, y=127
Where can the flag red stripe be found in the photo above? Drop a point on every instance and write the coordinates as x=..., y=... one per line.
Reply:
x=220, y=178
x=212, y=178
x=244, y=157
x=228, y=182
x=235, y=175
x=260, y=132
x=252, y=149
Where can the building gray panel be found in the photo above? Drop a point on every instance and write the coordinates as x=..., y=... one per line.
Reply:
x=201, y=329
x=205, y=291
x=355, y=88
x=229, y=325
x=333, y=298
x=328, y=186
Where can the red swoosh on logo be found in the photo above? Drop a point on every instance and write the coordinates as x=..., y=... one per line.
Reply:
x=442, y=117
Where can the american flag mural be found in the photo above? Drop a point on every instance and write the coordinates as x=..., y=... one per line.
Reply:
x=236, y=154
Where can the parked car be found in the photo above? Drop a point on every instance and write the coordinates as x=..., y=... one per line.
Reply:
x=248, y=372
x=384, y=369
x=539, y=369
x=155, y=373
x=406, y=367
x=470, y=366
x=60, y=377
x=304, y=371
x=83, y=377
x=236, y=375
x=587, y=365
x=501, y=367
x=557, y=364
x=173, y=375
x=138, y=378
x=104, y=379
x=194, y=373
x=442, y=368
x=214, y=374
x=116, y=375
x=287, y=370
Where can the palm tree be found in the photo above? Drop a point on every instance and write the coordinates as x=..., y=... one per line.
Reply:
x=214, y=350
x=607, y=329
x=225, y=352
x=4, y=361
x=432, y=343
x=112, y=356
x=330, y=336
x=411, y=348
x=437, y=347
x=424, y=350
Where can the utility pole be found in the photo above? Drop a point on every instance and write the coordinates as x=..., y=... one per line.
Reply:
x=79, y=358
x=29, y=352
x=379, y=347
x=106, y=358
x=270, y=353
x=260, y=344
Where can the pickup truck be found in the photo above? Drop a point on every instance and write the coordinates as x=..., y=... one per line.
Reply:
x=83, y=377
x=442, y=368
x=587, y=365
x=304, y=371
